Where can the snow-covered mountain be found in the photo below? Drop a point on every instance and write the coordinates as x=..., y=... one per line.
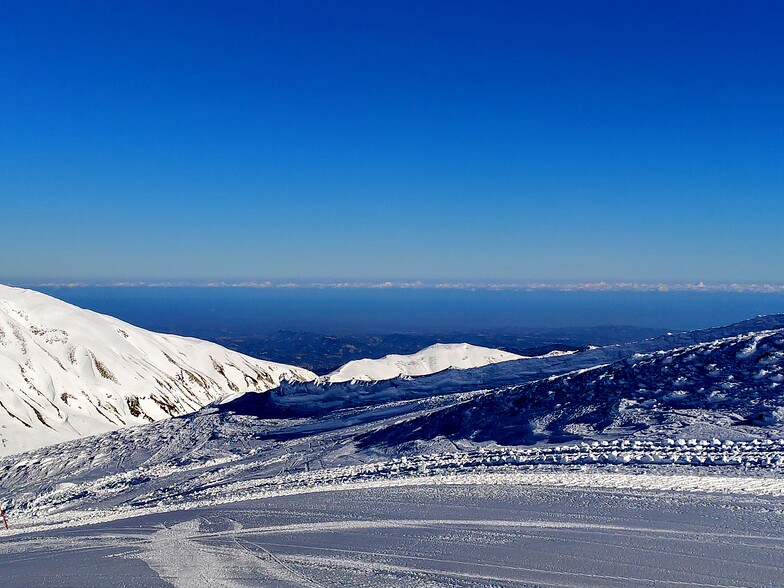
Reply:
x=319, y=396
x=433, y=359
x=705, y=398
x=66, y=372
x=721, y=388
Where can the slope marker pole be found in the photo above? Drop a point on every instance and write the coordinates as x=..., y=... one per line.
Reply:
x=5, y=520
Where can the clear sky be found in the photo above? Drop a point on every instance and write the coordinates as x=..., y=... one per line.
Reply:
x=392, y=139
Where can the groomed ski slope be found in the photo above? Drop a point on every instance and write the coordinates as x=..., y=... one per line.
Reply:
x=466, y=531
x=651, y=464
x=717, y=431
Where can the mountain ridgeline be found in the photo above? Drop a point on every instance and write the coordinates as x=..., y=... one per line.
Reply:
x=66, y=372
x=709, y=397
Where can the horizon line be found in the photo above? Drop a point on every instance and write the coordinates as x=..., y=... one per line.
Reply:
x=557, y=286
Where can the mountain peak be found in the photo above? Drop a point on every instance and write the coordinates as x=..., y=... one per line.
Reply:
x=430, y=360
x=69, y=372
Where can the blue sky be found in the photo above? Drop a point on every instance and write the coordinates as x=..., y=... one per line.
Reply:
x=546, y=140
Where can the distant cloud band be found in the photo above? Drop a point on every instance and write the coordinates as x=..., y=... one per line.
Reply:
x=420, y=285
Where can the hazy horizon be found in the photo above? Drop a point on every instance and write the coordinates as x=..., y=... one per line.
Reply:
x=201, y=310
x=598, y=285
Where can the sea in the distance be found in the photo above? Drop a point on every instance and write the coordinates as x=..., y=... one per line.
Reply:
x=246, y=311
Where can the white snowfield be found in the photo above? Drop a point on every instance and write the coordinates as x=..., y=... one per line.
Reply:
x=651, y=463
x=705, y=409
x=466, y=530
x=431, y=360
x=745, y=468
x=66, y=372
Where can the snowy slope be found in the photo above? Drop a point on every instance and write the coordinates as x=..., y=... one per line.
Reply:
x=66, y=372
x=318, y=396
x=716, y=403
x=718, y=388
x=433, y=359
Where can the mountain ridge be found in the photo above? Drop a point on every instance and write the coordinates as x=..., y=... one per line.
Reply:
x=432, y=359
x=717, y=404
x=69, y=372
x=298, y=398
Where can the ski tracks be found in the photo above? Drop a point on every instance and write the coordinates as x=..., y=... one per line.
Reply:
x=182, y=556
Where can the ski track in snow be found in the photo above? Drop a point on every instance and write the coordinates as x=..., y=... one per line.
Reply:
x=390, y=476
x=207, y=565
x=435, y=535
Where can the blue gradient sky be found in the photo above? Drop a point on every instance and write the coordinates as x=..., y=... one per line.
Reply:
x=436, y=140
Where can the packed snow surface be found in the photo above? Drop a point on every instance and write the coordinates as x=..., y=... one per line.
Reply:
x=465, y=535
x=716, y=403
x=433, y=359
x=66, y=372
x=652, y=463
